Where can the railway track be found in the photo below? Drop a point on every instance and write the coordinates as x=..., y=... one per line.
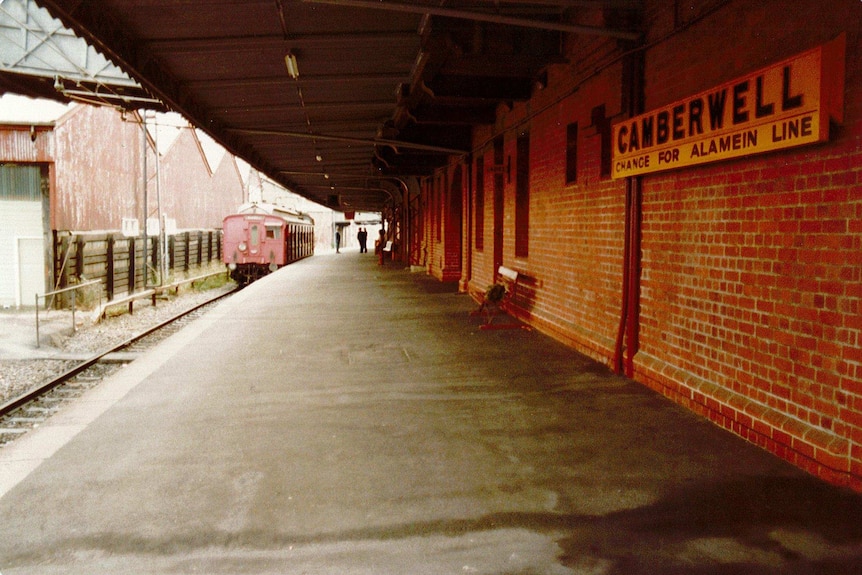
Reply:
x=27, y=411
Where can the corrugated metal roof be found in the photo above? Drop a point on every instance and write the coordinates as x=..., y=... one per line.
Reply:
x=39, y=56
x=384, y=89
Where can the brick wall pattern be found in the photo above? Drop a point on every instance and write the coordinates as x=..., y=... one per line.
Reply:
x=750, y=304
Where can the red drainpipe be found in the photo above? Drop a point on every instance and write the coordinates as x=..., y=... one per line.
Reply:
x=634, y=307
x=627, y=335
x=624, y=313
x=626, y=345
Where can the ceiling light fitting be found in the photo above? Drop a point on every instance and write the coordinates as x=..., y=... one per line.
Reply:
x=292, y=66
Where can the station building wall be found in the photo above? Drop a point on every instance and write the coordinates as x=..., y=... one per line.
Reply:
x=442, y=222
x=750, y=269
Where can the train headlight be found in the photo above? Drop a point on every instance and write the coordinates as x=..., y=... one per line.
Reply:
x=273, y=267
x=242, y=246
x=232, y=266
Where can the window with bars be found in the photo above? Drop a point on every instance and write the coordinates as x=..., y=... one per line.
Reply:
x=20, y=183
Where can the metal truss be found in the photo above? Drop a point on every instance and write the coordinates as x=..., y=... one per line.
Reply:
x=33, y=43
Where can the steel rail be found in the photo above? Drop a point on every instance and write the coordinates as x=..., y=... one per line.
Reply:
x=17, y=402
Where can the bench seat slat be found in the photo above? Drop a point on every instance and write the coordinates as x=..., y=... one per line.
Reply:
x=507, y=273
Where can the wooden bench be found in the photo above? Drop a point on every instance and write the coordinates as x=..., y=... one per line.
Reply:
x=496, y=298
x=382, y=250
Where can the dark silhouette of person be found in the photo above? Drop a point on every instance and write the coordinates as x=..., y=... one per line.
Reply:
x=362, y=236
x=337, y=242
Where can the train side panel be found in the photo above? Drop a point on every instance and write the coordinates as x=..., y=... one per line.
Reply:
x=257, y=244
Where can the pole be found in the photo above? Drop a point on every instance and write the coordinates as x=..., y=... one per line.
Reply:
x=144, y=234
x=37, y=321
x=162, y=217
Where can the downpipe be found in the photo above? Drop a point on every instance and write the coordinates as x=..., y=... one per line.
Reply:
x=627, y=342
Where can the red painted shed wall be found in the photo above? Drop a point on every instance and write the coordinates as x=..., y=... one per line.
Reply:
x=98, y=175
x=26, y=144
x=192, y=194
x=98, y=170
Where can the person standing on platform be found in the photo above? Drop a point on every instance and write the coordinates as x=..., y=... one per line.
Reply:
x=338, y=242
x=378, y=247
x=362, y=236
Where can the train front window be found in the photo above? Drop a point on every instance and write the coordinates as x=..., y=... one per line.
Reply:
x=254, y=235
x=273, y=232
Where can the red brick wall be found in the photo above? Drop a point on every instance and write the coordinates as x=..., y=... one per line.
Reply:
x=480, y=274
x=750, y=304
x=453, y=210
x=433, y=226
x=751, y=282
x=447, y=194
x=575, y=259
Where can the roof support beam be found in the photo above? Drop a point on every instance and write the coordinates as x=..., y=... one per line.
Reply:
x=366, y=141
x=626, y=4
x=327, y=107
x=481, y=17
x=303, y=81
x=256, y=43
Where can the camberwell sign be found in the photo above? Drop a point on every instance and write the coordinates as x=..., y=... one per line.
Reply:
x=785, y=105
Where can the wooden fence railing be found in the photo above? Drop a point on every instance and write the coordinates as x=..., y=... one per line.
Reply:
x=127, y=264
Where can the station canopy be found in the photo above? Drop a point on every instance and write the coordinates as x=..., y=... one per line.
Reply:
x=337, y=100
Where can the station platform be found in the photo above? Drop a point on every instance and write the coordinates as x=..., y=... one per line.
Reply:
x=341, y=417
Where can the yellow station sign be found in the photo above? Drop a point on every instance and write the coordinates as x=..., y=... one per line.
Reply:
x=784, y=105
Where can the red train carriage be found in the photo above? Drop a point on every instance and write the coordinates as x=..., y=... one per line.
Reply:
x=258, y=242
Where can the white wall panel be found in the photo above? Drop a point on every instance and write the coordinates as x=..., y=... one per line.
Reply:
x=17, y=219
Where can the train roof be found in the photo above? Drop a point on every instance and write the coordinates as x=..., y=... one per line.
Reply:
x=273, y=210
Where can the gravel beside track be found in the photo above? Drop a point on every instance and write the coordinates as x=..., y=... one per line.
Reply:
x=18, y=376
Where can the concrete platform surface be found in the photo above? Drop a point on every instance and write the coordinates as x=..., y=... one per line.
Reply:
x=339, y=417
x=18, y=333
